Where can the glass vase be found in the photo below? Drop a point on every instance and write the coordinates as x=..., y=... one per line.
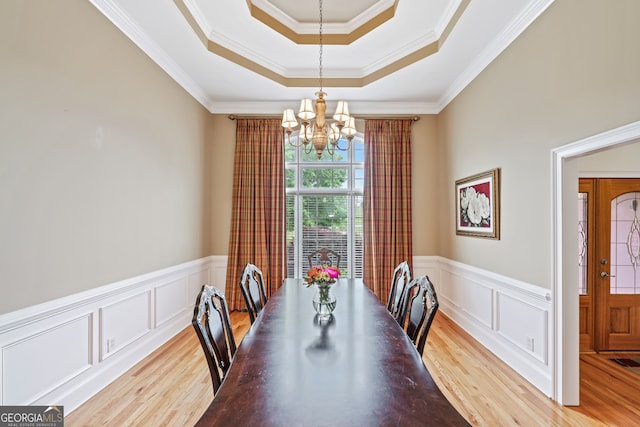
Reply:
x=324, y=301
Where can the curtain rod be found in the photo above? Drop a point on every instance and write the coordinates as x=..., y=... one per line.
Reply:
x=365, y=117
x=382, y=117
x=239, y=116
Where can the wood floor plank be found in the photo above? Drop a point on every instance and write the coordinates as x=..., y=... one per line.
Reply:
x=172, y=387
x=605, y=384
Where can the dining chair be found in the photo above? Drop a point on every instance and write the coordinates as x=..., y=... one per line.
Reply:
x=212, y=325
x=323, y=256
x=400, y=279
x=252, y=285
x=422, y=304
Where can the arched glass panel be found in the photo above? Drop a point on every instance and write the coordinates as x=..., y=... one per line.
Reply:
x=625, y=244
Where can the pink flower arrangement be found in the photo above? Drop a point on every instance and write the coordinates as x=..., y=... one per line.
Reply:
x=322, y=274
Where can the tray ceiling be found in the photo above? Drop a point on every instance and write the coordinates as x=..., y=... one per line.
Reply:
x=383, y=56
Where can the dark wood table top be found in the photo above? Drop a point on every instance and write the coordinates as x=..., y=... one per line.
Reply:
x=357, y=369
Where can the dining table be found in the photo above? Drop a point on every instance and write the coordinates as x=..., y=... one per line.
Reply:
x=355, y=368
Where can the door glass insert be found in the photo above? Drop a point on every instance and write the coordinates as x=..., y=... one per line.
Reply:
x=625, y=244
x=583, y=202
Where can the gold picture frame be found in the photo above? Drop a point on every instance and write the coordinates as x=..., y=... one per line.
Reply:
x=478, y=205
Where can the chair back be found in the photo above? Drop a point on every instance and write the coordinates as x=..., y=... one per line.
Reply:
x=212, y=325
x=422, y=304
x=252, y=285
x=324, y=256
x=400, y=280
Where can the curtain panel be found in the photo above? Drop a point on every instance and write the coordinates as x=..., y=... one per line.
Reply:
x=258, y=207
x=387, y=202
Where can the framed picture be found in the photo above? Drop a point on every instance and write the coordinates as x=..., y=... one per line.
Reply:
x=478, y=205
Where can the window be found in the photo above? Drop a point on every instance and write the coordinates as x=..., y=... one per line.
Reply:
x=324, y=206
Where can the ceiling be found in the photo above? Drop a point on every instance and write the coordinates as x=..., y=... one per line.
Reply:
x=383, y=56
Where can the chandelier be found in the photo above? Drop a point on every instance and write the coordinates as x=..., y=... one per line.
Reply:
x=318, y=132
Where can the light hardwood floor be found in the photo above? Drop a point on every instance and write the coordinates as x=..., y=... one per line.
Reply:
x=172, y=386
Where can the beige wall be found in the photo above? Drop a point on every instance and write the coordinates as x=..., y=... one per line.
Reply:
x=221, y=152
x=101, y=156
x=623, y=161
x=427, y=189
x=568, y=76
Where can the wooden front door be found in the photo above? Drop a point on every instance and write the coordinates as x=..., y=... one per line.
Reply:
x=616, y=265
x=609, y=264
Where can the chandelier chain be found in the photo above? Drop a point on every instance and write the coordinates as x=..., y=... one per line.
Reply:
x=318, y=134
x=321, y=76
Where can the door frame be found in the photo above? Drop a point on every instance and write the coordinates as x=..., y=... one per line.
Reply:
x=564, y=183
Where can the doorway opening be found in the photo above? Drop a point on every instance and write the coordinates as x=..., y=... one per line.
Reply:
x=609, y=264
x=564, y=241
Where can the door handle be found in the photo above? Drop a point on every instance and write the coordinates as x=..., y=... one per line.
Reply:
x=604, y=275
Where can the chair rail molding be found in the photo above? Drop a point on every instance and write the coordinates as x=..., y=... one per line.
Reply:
x=65, y=350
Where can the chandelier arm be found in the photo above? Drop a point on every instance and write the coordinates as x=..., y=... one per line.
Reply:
x=336, y=145
x=292, y=143
x=297, y=145
x=308, y=148
x=330, y=150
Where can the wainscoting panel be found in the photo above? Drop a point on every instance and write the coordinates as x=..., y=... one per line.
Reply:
x=477, y=302
x=509, y=317
x=170, y=300
x=68, y=343
x=530, y=332
x=64, y=351
x=452, y=294
x=123, y=322
x=219, y=272
x=196, y=280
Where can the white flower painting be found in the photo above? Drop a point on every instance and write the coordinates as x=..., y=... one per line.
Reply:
x=477, y=205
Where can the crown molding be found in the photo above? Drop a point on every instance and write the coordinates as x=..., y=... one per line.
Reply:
x=363, y=108
x=120, y=19
x=499, y=44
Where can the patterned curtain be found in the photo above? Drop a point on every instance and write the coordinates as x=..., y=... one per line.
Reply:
x=258, y=207
x=387, y=202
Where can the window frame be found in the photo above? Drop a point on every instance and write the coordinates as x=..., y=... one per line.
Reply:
x=298, y=164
